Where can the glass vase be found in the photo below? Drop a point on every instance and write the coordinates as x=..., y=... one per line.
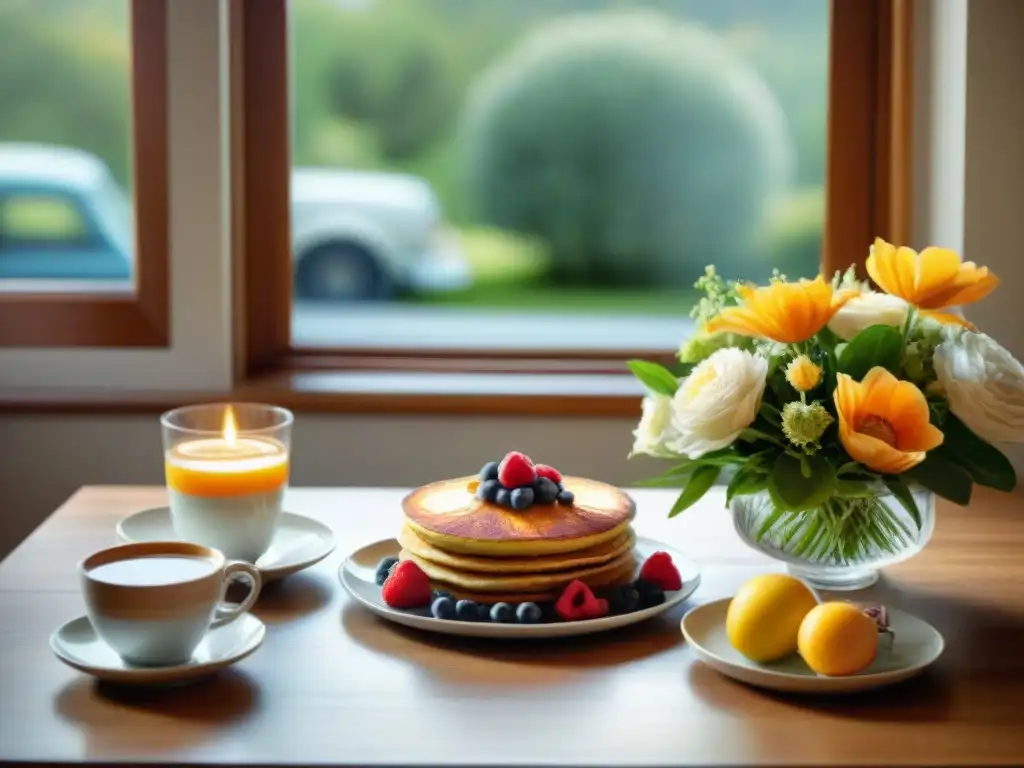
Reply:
x=841, y=544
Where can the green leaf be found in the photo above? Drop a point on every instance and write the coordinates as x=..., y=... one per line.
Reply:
x=876, y=345
x=680, y=370
x=655, y=377
x=791, y=489
x=986, y=464
x=899, y=489
x=700, y=482
x=943, y=477
x=850, y=489
x=746, y=481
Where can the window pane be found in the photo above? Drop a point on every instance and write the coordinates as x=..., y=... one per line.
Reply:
x=65, y=148
x=542, y=173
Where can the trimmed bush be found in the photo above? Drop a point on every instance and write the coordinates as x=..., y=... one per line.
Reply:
x=639, y=149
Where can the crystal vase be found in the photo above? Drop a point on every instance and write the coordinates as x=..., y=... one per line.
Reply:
x=841, y=544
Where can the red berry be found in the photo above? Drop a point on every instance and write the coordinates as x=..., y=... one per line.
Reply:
x=660, y=571
x=407, y=586
x=578, y=602
x=552, y=474
x=516, y=470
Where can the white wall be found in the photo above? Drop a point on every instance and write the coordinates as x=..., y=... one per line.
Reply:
x=46, y=458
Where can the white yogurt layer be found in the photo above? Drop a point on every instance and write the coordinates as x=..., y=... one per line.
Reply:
x=241, y=527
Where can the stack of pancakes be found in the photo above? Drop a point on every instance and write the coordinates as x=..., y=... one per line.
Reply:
x=488, y=553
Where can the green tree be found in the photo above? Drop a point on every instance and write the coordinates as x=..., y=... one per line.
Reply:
x=65, y=77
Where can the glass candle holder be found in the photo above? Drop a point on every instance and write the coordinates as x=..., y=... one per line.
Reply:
x=226, y=466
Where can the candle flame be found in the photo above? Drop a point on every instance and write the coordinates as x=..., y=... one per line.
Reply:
x=230, y=427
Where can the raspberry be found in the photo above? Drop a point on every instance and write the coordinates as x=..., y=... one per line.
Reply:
x=578, y=603
x=516, y=470
x=552, y=474
x=660, y=571
x=407, y=586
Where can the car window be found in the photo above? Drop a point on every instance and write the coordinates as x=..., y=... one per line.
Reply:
x=42, y=220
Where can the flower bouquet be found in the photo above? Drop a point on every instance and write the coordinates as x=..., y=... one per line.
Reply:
x=835, y=412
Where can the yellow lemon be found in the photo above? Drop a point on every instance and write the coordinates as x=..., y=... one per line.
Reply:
x=838, y=639
x=764, y=617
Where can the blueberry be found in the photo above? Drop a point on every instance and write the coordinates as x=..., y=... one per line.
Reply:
x=435, y=594
x=650, y=595
x=522, y=498
x=545, y=491
x=623, y=600
x=503, y=497
x=566, y=497
x=490, y=471
x=467, y=610
x=443, y=608
x=502, y=613
x=528, y=613
x=488, y=490
x=384, y=569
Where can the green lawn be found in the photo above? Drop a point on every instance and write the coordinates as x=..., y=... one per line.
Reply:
x=510, y=273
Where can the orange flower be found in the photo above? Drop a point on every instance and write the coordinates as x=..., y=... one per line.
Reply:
x=883, y=422
x=783, y=312
x=933, y=279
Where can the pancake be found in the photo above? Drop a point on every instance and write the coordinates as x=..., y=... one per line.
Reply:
x=597, y=555
x=525, y=583
x=625, y=575
x=448, y=516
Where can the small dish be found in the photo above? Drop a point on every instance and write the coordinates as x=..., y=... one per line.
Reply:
x=916, y=645
x=77, y=645
x=298, y=543
x=357, y=577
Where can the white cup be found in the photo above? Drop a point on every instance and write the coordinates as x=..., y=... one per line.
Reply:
x=153, y=602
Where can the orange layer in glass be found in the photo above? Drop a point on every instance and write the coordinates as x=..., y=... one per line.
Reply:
x=218, y=468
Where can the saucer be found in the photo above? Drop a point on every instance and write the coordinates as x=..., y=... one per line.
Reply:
x=298, y=543
x=916, y=644
x=357, y=575
x=77, y=645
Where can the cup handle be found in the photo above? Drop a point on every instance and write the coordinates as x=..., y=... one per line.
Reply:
x=228, y=612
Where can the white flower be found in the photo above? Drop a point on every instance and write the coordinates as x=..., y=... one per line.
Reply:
x=655, y=426
x=870, y=308
x=717, y=401
x=984, y=384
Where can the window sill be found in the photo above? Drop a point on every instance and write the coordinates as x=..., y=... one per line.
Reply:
x=380, y=392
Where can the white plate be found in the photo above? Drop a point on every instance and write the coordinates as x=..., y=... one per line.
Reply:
x=915, y=645
x=77, y=645
x=358, y=572
x=298, y=543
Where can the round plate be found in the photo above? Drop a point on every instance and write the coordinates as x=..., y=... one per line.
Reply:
x=77, y=645
x=915, y=645
x=298, y=543
x=358, y=571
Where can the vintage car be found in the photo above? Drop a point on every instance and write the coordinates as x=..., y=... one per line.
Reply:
x=356, y=235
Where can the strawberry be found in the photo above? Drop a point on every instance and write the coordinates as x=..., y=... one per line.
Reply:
x=660, y=571
x=516, y=470
x=406, y=587
x=552, y=474
x=578, y=603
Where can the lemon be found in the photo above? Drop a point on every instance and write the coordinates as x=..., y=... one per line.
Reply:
x=838, y=639
x=764, y=617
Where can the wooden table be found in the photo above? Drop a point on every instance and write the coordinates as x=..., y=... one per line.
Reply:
x=332, y=684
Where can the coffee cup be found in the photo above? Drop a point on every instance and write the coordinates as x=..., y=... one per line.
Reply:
x=153, y=602
x=227, y=468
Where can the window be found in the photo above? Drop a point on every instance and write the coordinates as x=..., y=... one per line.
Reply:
x=83, y=177
x=476, y=186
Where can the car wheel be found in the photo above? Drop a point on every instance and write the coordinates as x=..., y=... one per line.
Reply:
x=341, y=272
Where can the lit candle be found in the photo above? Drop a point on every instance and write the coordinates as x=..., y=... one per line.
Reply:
x=229, y=465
